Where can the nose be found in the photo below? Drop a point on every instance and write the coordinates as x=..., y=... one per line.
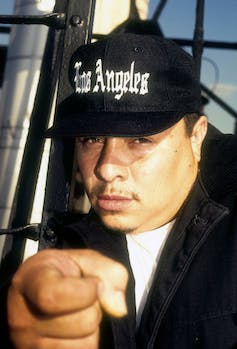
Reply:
x=113, y=162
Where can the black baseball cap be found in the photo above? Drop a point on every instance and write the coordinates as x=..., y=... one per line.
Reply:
x=127, y=85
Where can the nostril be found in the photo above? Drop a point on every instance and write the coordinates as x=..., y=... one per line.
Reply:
x=108, y=172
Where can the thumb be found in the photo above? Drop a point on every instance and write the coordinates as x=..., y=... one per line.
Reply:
x=113, y=279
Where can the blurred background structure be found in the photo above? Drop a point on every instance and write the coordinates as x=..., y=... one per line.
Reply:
x=22, y=49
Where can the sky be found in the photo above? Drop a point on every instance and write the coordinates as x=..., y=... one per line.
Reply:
x=219, y=66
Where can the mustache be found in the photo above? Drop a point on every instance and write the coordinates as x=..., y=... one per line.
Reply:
x=98, y=191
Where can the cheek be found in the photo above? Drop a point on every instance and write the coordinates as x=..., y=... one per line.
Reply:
x=160, y=163
x=163, y=170
x=147, y=173
x=86, y=169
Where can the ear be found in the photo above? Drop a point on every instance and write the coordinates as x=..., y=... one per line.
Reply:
x=198, y=134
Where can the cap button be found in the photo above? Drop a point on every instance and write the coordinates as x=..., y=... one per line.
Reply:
x=136, y=49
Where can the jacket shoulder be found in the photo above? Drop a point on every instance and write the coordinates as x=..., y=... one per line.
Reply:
x=218, y=165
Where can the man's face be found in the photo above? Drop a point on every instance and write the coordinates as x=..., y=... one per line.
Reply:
x=136, y=184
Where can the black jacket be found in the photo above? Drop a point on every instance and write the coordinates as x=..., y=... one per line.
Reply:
x=193, y=299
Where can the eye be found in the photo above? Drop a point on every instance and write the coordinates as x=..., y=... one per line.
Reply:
x=141, y=140
x=90, y=140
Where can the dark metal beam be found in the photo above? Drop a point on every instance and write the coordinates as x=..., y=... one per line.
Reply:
x=22, y=208
x=53, y=20
x=133, y=13
x=208, y=44
x=198, y=37
x=5, y=30
x=3, y=56
x=159, y=10
x=78, y=31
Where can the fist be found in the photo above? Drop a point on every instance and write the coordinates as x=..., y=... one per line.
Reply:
x=57, y=296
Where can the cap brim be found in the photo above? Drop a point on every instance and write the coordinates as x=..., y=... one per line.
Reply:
x=113, y=124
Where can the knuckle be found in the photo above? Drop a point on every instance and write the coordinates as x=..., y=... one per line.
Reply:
x=120, y=271
x=45, y=300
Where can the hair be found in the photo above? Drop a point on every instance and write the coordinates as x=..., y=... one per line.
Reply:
x=190, y=120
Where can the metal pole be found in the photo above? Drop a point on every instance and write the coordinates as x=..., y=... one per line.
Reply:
x=158, y=10
x=78, y=31
x=53, y=20
x=134, y=14
x=198, y=36
x=31, y=160
x=19, y=86
x=208, y=44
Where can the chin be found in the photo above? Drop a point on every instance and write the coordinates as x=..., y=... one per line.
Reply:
x=117, y=225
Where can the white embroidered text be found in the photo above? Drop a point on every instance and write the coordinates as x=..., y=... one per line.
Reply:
x=117, y=82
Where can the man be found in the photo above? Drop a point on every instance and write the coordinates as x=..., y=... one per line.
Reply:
x=153, y=265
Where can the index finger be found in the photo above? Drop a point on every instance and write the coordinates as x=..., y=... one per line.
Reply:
x=113, y=278
x=44, y=277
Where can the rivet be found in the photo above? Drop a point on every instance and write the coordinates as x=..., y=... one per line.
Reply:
x=50, y=235
x=77, y=21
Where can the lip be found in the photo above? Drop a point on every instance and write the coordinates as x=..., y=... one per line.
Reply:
x=113, y=202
